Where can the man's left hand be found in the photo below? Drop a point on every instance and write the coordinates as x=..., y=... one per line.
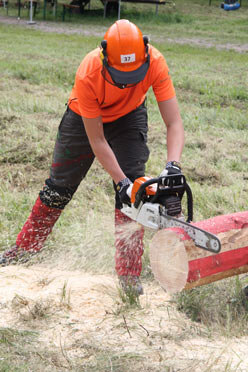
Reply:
x=172, y=167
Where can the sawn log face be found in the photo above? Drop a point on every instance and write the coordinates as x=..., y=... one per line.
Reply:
x=206, y=267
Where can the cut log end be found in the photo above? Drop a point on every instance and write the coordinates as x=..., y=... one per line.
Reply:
x=169, y=260
x=175, y=260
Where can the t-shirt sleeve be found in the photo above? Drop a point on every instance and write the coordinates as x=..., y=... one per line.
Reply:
x=162, y=84
x=87, y=100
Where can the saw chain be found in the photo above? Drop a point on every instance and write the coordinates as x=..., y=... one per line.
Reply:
x=202, y=239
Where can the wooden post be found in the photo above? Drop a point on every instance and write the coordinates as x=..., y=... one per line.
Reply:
x=203, y=267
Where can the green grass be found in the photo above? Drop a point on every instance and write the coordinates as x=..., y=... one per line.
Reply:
x=16, y=345
x=37, y=73
x=220, y=305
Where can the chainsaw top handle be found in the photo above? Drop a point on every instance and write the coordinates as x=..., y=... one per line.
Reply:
x=166, y=186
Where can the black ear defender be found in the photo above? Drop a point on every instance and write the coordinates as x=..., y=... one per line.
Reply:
x=146, y=41
x=104, y=45
x=103, y=52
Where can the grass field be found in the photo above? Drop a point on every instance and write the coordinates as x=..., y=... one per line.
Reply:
x=206, y=50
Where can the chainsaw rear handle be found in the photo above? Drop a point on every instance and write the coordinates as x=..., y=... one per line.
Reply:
x=175, y=183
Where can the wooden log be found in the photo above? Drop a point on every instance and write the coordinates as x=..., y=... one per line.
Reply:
x=203, y=267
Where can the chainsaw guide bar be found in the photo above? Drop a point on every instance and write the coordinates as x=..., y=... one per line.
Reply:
x=201, y=238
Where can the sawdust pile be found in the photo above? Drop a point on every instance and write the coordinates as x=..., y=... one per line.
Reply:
x=79, y=306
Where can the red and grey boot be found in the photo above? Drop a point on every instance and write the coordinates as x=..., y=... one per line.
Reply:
x=31, y=238
x=129, y=250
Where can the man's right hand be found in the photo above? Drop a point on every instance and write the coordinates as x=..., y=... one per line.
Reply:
x=124, y=188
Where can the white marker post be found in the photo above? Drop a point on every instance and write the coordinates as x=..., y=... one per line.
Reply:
x=31, y=22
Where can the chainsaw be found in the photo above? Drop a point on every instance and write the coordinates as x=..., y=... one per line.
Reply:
x=156, y=203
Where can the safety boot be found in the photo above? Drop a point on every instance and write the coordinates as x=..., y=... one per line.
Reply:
x=15, y=255
x=131, y=284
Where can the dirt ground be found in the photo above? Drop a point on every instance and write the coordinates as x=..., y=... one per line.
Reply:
x=100, y=30
x=66, y=307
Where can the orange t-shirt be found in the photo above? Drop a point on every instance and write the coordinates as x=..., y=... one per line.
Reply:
x=93, y=96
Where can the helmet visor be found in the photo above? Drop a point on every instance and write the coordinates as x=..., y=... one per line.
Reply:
x=128, y=77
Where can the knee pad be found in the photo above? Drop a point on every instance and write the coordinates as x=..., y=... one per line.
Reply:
x=56, y=196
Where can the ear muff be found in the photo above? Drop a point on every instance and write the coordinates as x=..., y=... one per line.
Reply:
x=103, y=53
x=146, y=41
x=104, y=45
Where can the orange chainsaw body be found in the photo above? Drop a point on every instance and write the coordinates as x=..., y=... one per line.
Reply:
x=150, y=190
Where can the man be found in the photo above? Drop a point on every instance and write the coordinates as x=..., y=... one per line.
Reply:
x=106, y=118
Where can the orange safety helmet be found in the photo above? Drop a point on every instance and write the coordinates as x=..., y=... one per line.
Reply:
x=125, y=53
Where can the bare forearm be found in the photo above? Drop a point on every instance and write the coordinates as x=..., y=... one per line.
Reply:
x=101, y=148
x=106, y=157
x=175, y=142
x=175, y=133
